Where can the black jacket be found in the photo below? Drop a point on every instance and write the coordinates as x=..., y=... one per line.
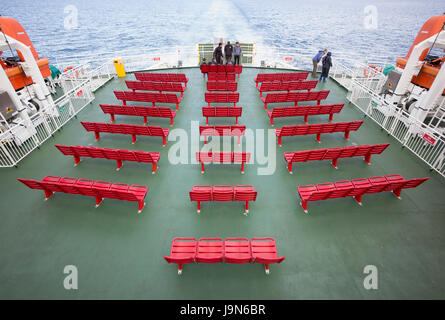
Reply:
x=228, y=49
x=217, y=53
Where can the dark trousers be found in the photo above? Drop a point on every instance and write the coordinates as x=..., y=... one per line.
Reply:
x=228, y=58
x=237, y=58
x=314, y=70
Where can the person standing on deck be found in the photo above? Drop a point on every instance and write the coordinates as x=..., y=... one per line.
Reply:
x=315, y=60
x=217, y=54
x=237, y=51
x=228, y=49
x=327, y=64
x=204, y=61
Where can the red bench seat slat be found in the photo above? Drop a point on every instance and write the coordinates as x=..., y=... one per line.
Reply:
x=222, y=130
x=222, y=97
x=287, y=86
x=148, y=97
x=97, y=189
x=295, y=97
x=221, y=76
x=222, y=157
x=142, y=111
x=222, y=112
x=356, y=188
x=222, y=86
x=155, y=86
x=283, y=76
x=221, y=68
x=161, y=77
x=305, y=111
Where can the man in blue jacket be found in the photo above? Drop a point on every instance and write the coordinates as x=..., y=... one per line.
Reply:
x=315, y=60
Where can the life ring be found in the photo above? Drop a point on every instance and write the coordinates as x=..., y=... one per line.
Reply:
x=71, y=68
x=370, y=74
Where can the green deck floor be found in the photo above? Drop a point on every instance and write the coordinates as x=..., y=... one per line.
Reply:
x=119, y=254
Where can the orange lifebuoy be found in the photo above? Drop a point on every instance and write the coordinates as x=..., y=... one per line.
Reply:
x=71, y=68
x=371, y=74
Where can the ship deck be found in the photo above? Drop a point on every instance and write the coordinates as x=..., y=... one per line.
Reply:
x=119, y=253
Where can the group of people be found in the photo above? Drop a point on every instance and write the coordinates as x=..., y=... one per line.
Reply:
x=326, y=61
x=229, y=52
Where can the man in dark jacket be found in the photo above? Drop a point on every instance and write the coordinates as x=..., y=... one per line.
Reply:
x=217, y=54
x=327, y=64
x=228, y=49
x=315, y=60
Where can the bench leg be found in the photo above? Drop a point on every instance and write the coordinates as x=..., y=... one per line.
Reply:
x=171, y=121
x=182, y=94
x=261, y=93
x=318, y=101
x=119, y=164
x=239, y=140
x=358, y=199
x=179, y=269
x=397, y=193
x=347, y=134
x=153, y=104
x=205, y=139
x=279, y=141
x=304, y=205
x=318, y=137
x=271, y=121
x=97, y=135
x=145, y=120
x=266, y=269
x=242, y=167
x=331, y=117
x=334, y=163
x=164, y=141
x=199, y=207
x=289, y=167
x=368, y=159
x=247, y=208
x=141, y=205
x=305, y=118
x=98, y=201
x=202, y=167
x=207, y=120
x=155, y=167
x=177, y=106
x=112, y=117
x=48, y=194
x=296, y=103
x=236, y=121
x=124, y=102
x=76, y=160
x=133, y=139
x=265, y=106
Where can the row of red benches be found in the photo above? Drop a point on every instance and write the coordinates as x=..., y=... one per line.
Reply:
x=162, y=77
x=280, y=112
x=295, y=97
x=334, y=154
x=243, y=193
x=232, y=250
x=155, y=86
x=318, y=129
x=221, y=68
x=119, y=155
x=97, y=189
x=222, y=130
x=281, y=76
x=148, y=97
x=222, y=86
x=222, y=111
x=142, y=111
x=356, y=188
x=221, y=97
x=221, y=76
x=133, y=130
x=287, y=86
x=222, y=157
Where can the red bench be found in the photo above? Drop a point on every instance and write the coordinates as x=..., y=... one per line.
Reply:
x=222, y=97
x=334, y=154
x=148, y=97
x=223, y=193
x=142, y=111
x=162, y=77
x=132, y=129
x=295, y=97
x=318, y=129
x=114, y=154
x=283, y=76
x=222, y=86
x=280, y=112
x=222, y=111
x=97, y=189
x=287, y=86
x=222, y=157
x=155, y=86
x=221, y=76
x=222, y=130
x=221, y=68
x=356, y=188
x=232, y=250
